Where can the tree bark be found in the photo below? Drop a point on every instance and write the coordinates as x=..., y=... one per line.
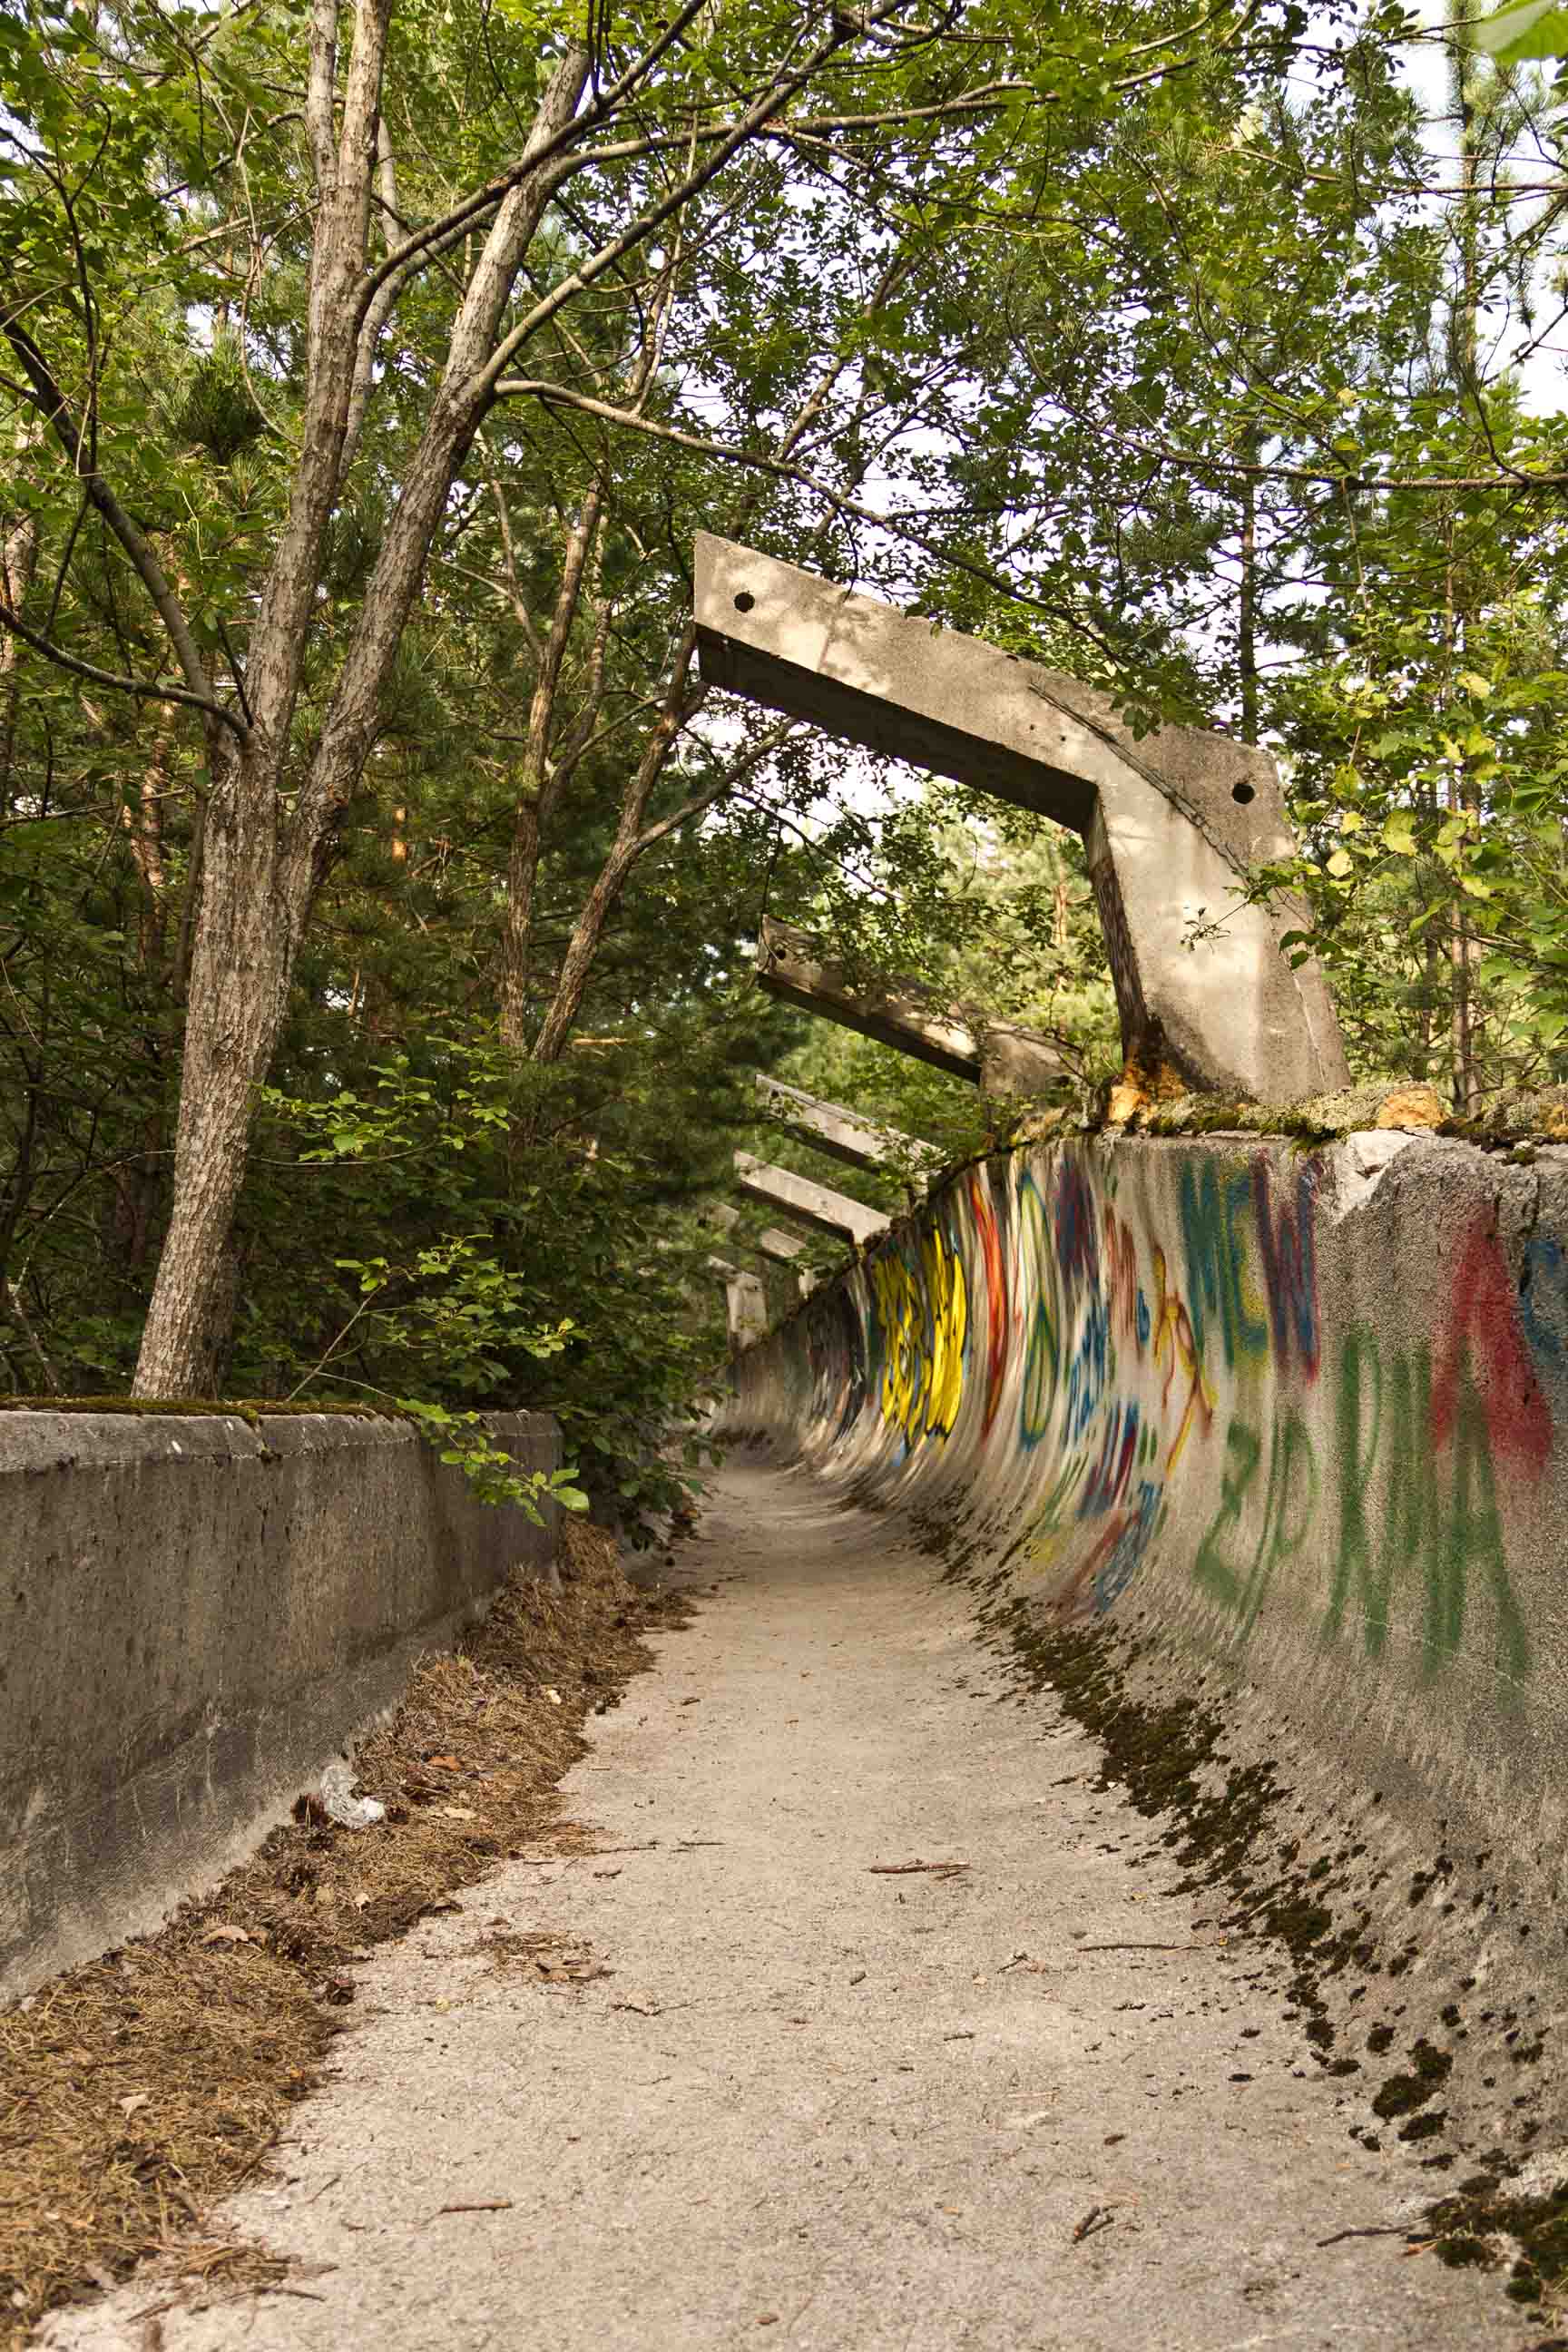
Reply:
x=535, y=784
x=261, y=866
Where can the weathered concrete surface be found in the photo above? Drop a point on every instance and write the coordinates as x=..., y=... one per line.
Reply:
x=998, y=1058
x=199, y=1614
x=840, y=1134
x=775, y=1243
x=747, y=1306
x=817, y=1206
x=812, y=2105
x=784, y=1249
x=1172, y=820
x=1291, y=1427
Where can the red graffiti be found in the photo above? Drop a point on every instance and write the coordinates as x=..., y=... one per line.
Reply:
x=1484, y=1332
x=995, y=1299
x=1121, y=1280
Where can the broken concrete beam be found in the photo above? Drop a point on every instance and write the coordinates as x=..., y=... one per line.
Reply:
x=825, y=1210
x=998, y=1056
x=830, y=1128
x=774, y=1242
x=910, y=1017
x=1174, y=822
x=1015, y=1061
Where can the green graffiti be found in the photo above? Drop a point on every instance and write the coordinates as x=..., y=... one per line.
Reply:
x=1244, y=1452
x=1219, y=1288
x=1472, y=1538
x=1386, y=1458
x=1361, y=1367
x=1291, y=1500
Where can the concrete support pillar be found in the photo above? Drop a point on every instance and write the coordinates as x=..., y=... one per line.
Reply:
x=745, y=1302
x=1174, y=822
x=825, y=1211
x=786, y=1248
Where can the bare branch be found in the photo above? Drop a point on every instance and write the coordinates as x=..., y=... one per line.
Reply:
x=51, y=404
x=151, y=690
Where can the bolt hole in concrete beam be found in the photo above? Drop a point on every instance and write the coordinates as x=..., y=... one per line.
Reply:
x=1172, y=822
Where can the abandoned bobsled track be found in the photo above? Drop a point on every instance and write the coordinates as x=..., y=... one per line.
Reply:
x=875, y=2016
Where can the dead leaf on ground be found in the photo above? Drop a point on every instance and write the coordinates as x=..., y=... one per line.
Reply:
x=226, y=1935
x=642, y=2005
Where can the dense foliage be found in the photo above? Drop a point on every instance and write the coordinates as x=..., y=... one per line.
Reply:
x=1189, y=354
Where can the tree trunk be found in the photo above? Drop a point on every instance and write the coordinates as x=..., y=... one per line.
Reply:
x=582, y=951
x=535, y=786
x=238, y=990
x=261, y=865
x=18, y=563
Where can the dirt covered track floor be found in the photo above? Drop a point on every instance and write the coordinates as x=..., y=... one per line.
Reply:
x=743, y=2073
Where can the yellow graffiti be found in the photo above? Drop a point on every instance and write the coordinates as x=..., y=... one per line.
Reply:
x=925, y=1321
x=1172, y=1338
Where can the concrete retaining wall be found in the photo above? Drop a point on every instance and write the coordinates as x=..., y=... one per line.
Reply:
x=195, y=1615
x=1300, y=1415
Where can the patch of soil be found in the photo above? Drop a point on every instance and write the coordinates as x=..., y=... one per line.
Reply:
x=138, y=2088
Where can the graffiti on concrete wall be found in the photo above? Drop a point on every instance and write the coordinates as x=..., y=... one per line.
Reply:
x=1125, y=1354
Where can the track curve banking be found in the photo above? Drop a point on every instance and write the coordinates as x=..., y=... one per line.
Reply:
x=1281, y=1432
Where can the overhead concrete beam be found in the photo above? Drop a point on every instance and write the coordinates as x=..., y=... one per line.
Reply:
x=825, y=1211
x=830, y=1128
x=1174, y=821
x=998, y=1058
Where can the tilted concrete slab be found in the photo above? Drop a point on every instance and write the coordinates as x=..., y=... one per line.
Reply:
x=840, y=1134
x=774, y=1242
x=825, y=1210
x=1173, y=821
x=998, y=1056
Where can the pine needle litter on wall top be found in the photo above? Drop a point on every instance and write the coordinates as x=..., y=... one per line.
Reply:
x=138, y=2089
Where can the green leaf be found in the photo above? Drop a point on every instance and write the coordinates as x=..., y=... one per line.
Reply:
x=1523, y=30
x=1399, y=832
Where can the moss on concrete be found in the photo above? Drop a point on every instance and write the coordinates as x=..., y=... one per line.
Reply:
x=247, y=1408
x=1409, y=1102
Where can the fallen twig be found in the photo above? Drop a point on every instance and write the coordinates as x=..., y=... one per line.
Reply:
x=905, y=1869
x=1339, y=2234
x=1098, y=2218
x=481, y=2205
x=1146, y=1948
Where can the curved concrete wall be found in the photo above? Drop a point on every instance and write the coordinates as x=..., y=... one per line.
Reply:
x=1300, y=1414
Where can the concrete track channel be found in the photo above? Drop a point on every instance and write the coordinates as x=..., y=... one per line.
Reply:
x=1031, y=2100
